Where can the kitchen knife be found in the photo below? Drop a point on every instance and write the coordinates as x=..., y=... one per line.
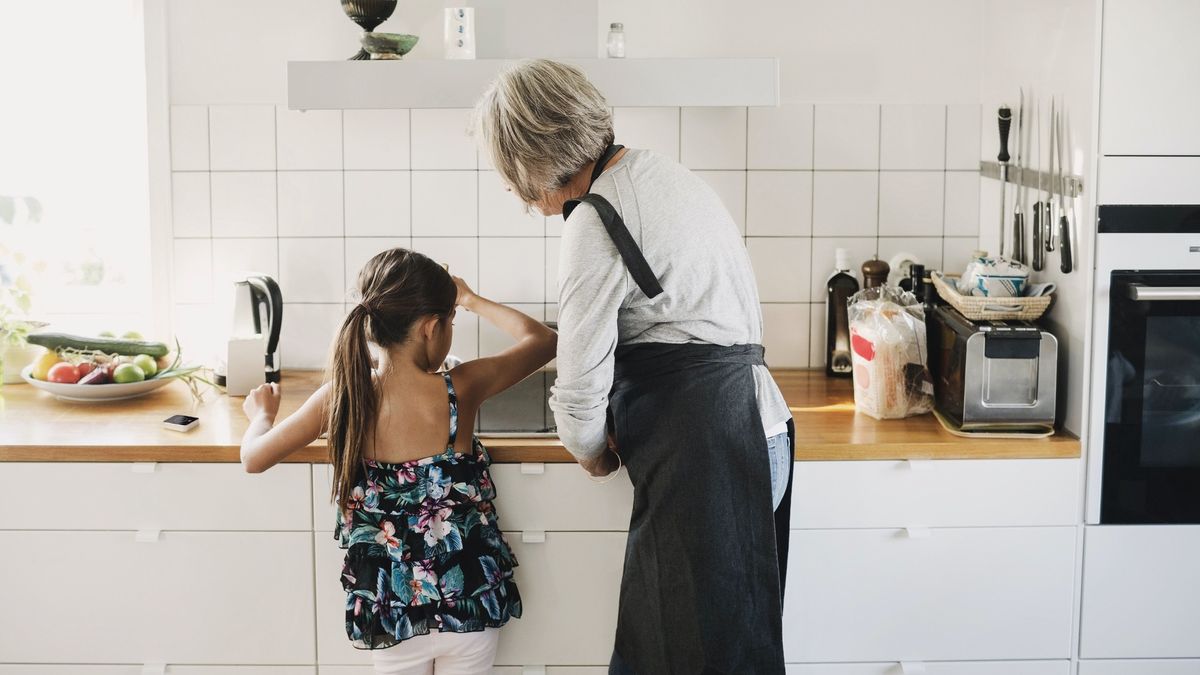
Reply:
x=1067, y=251
x=1018, y=247
x=1048, y=216
x=1039, y=254
x=1004, y=120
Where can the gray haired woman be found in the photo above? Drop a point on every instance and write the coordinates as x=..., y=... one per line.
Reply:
x=659, y=366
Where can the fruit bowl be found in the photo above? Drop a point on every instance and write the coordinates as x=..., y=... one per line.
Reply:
x=388, y=46
x=95, y=392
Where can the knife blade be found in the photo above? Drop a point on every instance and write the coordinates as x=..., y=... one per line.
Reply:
x=1039, y=254
x=1018, y=242
x=1067, y=250
x=1003, y=121
x=1048, y=216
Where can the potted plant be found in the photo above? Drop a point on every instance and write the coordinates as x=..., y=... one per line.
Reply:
x=15, y=352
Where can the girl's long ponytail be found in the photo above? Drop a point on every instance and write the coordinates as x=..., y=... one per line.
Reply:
x=353, y=400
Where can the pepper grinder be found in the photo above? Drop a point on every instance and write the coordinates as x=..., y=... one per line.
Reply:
x=875, y=273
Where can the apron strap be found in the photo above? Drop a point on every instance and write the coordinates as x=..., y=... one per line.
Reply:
x=631, y=254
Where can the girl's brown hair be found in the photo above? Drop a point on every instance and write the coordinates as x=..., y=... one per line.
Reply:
x=397, y=288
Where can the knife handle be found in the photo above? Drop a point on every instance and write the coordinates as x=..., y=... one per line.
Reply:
x=1039, y=262
x=1005, y=121
x=1048, y=224
x=1066, y=264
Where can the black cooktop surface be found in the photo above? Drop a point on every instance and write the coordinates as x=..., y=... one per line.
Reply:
x=521, y=409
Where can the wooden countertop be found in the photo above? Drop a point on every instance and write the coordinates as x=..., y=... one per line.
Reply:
x=36, y=427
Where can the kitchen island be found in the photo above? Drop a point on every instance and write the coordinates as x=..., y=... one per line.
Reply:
x=36, y=427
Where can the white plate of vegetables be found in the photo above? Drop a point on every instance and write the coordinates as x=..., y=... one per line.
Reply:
x=79, y=368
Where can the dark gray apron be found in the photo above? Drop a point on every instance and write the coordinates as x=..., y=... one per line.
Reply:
x=701, y=593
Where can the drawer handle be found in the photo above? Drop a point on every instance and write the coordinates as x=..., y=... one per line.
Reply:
x=919, y=464
x=533, y=670
x=918, y=532
x=147, y=536
x=533, y=468
x=533, y=537
x=154, y=669
x=912, y=668
x=144, y=467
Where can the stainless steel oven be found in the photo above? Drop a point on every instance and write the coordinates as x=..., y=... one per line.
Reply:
x=1149, y=261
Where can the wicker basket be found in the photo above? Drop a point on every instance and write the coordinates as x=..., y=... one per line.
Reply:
x=985, y=309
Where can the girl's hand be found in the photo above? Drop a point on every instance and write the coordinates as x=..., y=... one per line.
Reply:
x=465, y=294
x=262, y=401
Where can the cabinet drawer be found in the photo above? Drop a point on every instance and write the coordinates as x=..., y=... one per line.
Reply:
x=570, y=585
x=936, y=668
x=191, y=597
x=936, y=493
x=548, y=497
x=61, y=669
x=164, y=496
x=937, y=595
x=1141, y=667
x=1140, y=593
x=499, y=670
x=333, y=647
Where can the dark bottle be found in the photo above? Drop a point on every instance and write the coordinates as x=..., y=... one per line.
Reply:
x=916, y=280
x=875, y=273
x=840, y=287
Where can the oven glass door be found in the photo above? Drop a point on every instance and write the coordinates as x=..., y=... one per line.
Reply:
x=1152, y=414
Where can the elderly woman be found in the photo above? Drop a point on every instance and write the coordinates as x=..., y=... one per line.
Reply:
x=659, y=366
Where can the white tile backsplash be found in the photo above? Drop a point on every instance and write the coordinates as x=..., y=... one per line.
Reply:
x=512, y=269
x=912, y=137
x=361, y=249
x=654, y=129
x=243, y=204
x=376, y=139
x=963, y=141
x=730, y=186
x=924, y=250
x=502, y=214
x=307, y=334
x=713, y=138
x=310, y=204
x=461, y=254
x=309, y=139
x=191, y=204
x=312, y=269
x=309, y=197
x=962, y=204
x=786, y=335
x=846, y=137
x=781, y=267
x=378, y=203
x=189, y=138
x=845, y=203
x=779, y=203
x=241, y=137
x=780, y=137
x=440, y=139
x=445, y=204
x=911, y=203
x=824, y=259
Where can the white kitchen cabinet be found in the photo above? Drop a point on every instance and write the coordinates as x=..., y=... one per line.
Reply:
x=1141, y=667
x=570, y=584
x=501, y=670
x=935, y=668
x=1140, y=592
x=189, y=597
x=531, y=496
x=63, y=669
x=936, y=493
x=333, y=647
x=1149, y=67
x=929, y=595
x=152, y=496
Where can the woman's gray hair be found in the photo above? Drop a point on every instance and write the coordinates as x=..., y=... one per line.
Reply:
x=541, y=122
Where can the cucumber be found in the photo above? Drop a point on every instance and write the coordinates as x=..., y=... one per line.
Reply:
x=54, y=341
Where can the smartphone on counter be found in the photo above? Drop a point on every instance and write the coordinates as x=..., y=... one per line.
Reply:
x=181, y=422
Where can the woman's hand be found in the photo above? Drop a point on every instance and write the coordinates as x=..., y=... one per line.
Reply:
x=602, y=465
x=465, y=294
x=262, y=402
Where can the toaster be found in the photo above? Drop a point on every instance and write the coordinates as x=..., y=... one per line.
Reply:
x=992, y=375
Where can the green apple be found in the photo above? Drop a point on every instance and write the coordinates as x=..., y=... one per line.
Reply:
x=147, y=363
x=128, y=372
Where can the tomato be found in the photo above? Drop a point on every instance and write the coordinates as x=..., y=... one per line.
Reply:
x=85, y=367
x=63, y=373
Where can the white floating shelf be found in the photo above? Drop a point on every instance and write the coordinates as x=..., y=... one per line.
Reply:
x=327, y=85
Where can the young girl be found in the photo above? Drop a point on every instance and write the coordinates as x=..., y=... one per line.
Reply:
x=425, y=556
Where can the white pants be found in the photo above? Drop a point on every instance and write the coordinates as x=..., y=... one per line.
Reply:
x=440, y=653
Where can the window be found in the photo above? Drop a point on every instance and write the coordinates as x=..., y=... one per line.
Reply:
x=74, y=211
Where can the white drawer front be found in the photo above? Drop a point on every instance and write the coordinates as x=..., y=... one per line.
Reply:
x=163, y=496
x=1141, y=667
x=934, y=595
x=936, y=493
x=549, y=497
x=61, y=669
x=935, y=668
x=1140, y=592
x=190, y=597
x=569, y=588
x=333, y=647
x=500, y=670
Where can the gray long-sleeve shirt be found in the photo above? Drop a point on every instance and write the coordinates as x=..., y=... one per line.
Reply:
x=709, y=291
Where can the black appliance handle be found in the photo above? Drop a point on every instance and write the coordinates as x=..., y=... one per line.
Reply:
x=267, y=290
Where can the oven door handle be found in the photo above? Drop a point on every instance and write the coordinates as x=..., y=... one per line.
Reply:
x=1140, y=293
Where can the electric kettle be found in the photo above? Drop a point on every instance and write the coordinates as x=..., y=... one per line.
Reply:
x=253, y=335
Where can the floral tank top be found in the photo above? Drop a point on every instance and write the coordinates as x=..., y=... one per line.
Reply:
x=424, y=548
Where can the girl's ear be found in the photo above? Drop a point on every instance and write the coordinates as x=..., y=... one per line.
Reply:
x=429, y=326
